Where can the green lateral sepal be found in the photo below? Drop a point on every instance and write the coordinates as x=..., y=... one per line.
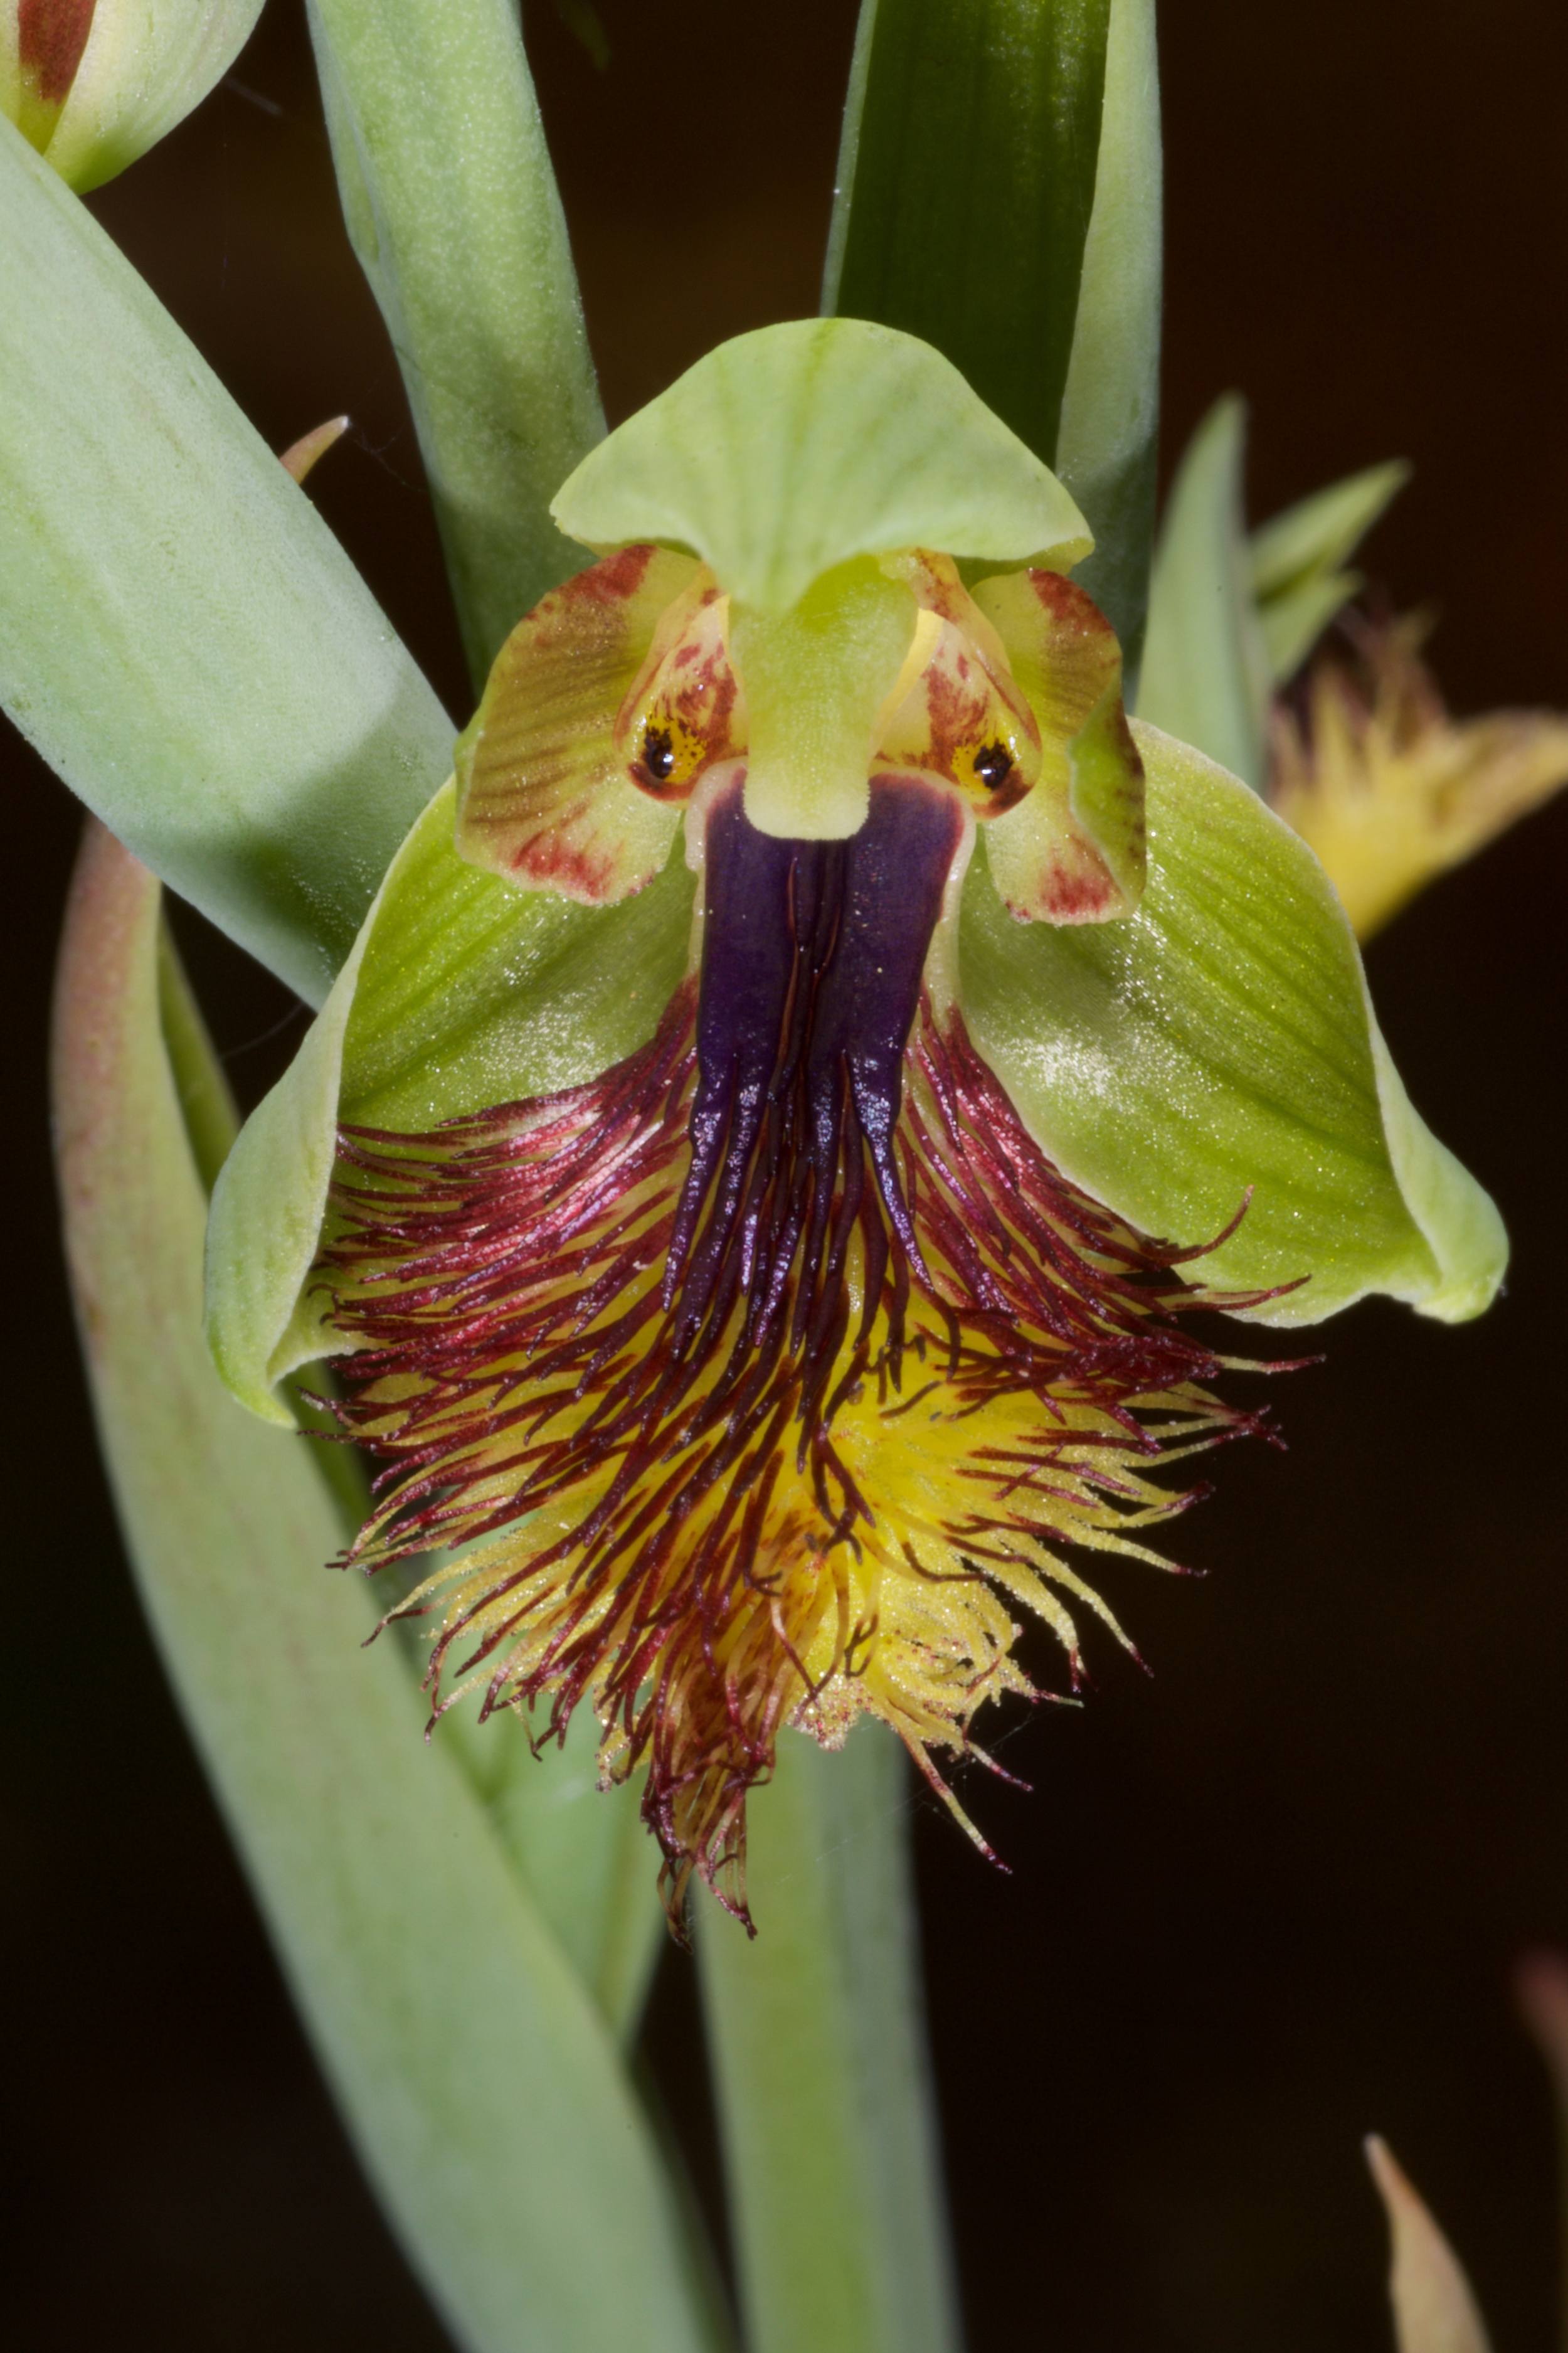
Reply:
x=1218, y=1049
x=461, y=992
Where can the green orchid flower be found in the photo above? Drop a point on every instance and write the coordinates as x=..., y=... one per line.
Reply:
x=92, y=84
x=788, y=1092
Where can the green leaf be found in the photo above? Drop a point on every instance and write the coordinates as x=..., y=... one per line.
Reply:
x=966, y=179
x=181, y=636
x=461, y=992
x=1298, y=559
x=789, y=451
x=1220, y=1042
x=1106, y=442
x=1320, y=532
x=452, y=207
x=998, y=194
x=1205, y=672
x=481, y=2086
x=825, y=2103
x=584, y=1853
x=1293, y=621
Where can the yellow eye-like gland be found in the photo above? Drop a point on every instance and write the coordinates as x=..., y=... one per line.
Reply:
x=685, y=710
x=963, y=719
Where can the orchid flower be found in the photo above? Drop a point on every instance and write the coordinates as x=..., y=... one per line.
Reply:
x=751, y=1346
x=753, y=1159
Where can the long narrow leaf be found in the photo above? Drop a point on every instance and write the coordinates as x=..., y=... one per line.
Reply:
x=819, y=2065
x=965, y=185
x=1206, y=669
x=453, y=210
x=1108, y=441
x=477, y=2078
x=583, y=1852
x=181, y=634
x=1298, y=561
x=1323, y=531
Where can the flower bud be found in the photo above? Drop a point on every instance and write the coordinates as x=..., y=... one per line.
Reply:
x=92, y=83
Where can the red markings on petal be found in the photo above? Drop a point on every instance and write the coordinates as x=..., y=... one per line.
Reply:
x=1075, y=849
x=684, y=711
x=955, y=712
x=50, y=38
x=544, y=796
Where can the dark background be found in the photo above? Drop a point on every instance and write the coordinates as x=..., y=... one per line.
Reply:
x=1260, y=1903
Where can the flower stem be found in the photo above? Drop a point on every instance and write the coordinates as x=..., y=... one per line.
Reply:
x=820, y=2070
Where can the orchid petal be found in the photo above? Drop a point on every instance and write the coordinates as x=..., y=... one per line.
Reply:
x=544, y=798
x=956, y=710
x=1218, y=1049
x=1388, y=789
x=1073, y=850
x=790, y=451
x=94, y=87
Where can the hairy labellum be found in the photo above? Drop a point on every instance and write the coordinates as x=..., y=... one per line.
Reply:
x=760, y=1381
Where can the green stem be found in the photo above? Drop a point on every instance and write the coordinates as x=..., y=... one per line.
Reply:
x=452, y=208
x=820, y=2073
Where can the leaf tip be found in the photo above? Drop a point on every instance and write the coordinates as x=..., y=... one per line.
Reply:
x=1434, y=2308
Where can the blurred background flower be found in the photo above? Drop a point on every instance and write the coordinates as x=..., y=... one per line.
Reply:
x=1264, y=1901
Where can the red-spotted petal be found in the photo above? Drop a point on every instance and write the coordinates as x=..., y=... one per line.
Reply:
x=1073, y=852
x=544, y=794
x=955, y=712
x=684, y=711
